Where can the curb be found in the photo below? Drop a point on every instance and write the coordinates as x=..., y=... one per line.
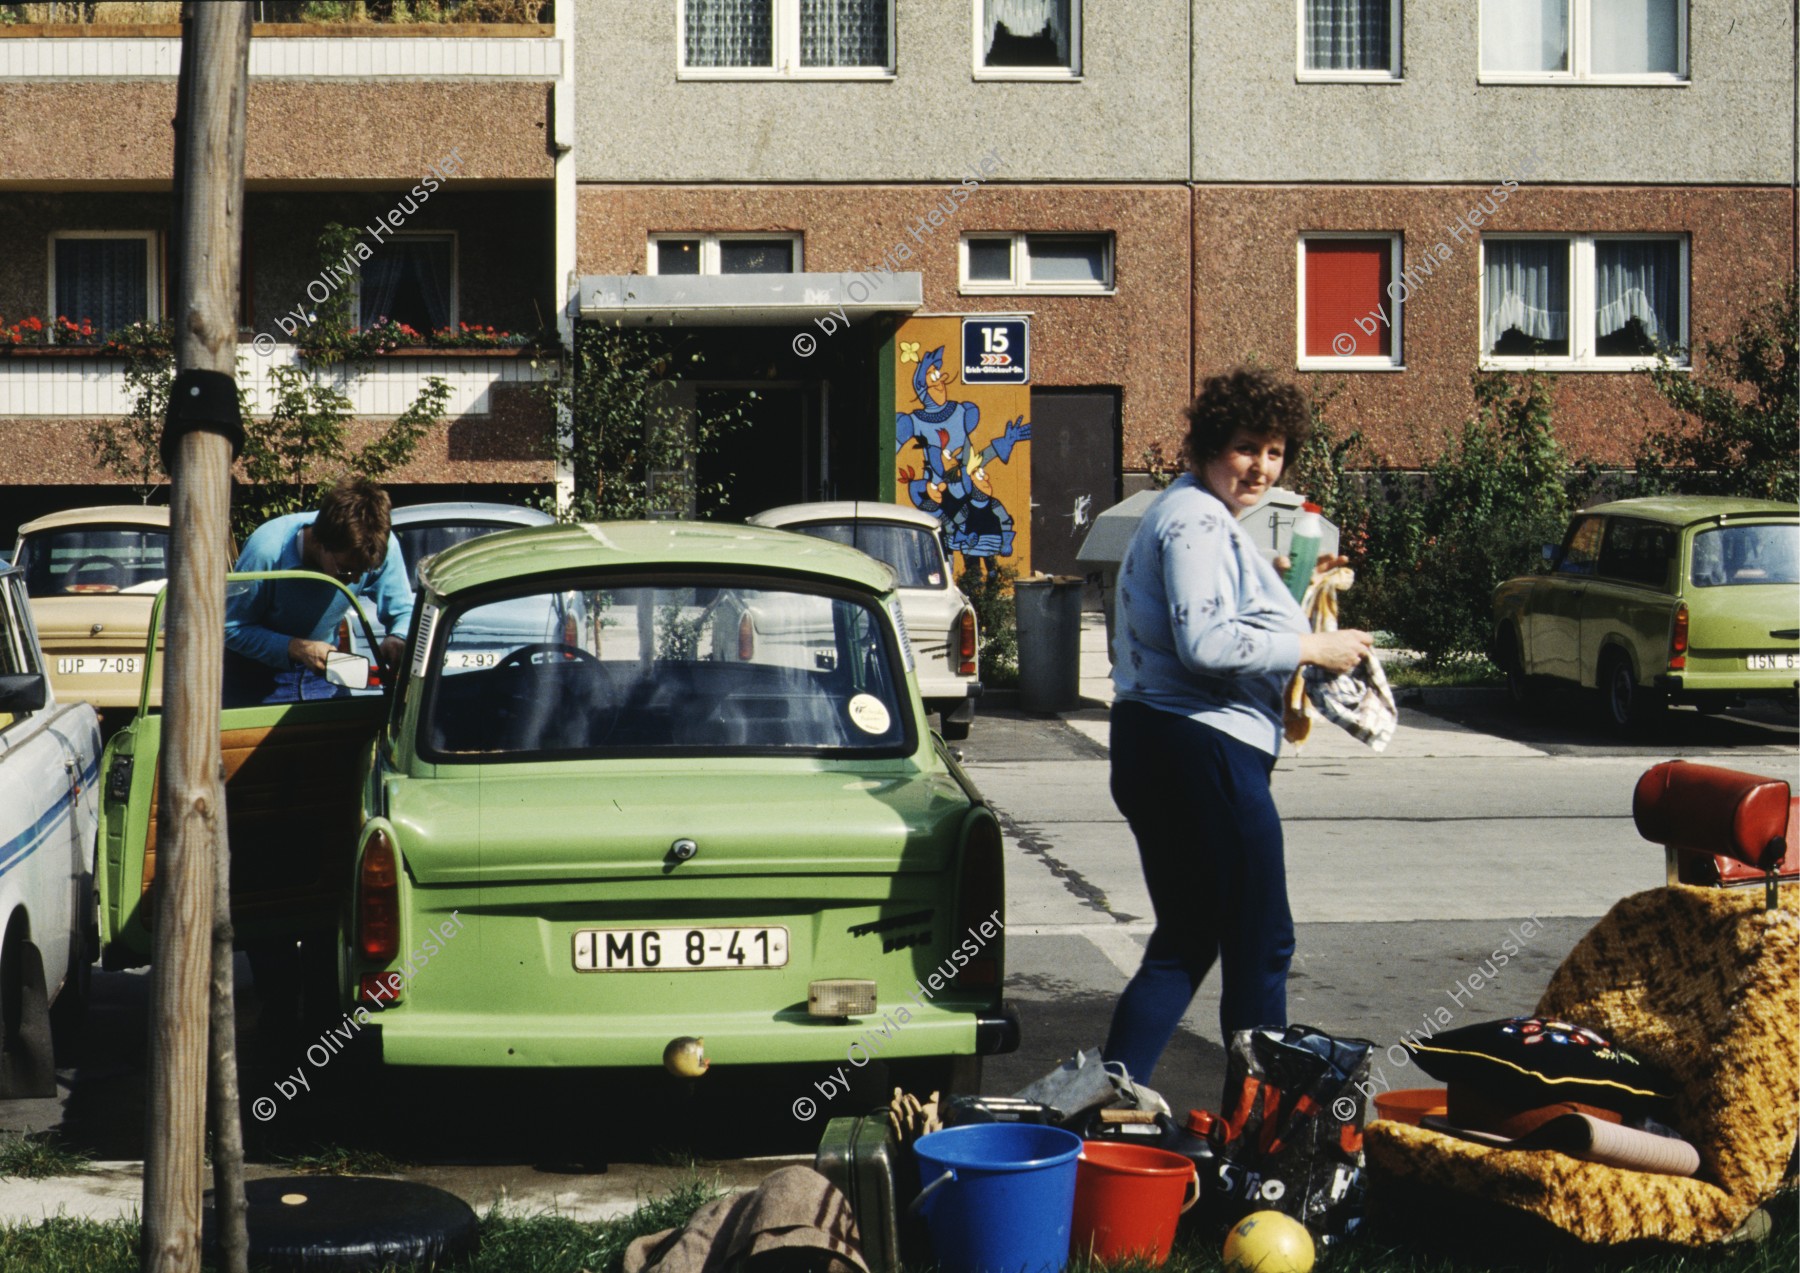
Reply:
x=1491, y=697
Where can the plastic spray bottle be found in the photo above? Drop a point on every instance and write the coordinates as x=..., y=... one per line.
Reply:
x=1303, y=549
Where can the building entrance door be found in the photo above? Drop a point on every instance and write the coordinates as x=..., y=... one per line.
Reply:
x=1075, y=477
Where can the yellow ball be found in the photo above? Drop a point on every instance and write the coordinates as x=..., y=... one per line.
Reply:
x=1269, y=1242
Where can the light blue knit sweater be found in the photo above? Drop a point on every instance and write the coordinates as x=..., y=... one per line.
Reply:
x=1203, y=625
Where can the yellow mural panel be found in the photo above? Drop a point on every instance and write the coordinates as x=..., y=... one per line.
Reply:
x=962, y=451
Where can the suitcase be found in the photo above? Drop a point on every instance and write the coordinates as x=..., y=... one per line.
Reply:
x=859, y=1155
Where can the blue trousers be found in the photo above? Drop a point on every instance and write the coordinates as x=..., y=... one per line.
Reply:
x=1210, y=841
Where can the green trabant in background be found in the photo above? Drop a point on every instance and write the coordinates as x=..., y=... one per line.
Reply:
x=635, y=782
x=1684, y=599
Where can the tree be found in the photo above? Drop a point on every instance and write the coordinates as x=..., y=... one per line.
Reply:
x=1740, y=407
x=634, y=428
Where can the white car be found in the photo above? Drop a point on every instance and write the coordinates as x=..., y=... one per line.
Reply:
x=940, y=622
x=49, y=779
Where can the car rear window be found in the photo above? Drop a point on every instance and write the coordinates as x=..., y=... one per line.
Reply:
x=912, y=552
x=419, y=541
x=1729, y=555
x=94, y=559
x=694, y=667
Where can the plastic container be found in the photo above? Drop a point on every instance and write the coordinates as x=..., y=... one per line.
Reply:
x=1128, y=1199
x=1409, y=1104
x=1193, y=1141
x=998, y=1197
x=1048, y=611
x=1303, y=550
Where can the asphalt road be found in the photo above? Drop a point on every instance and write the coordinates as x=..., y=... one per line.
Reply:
x=1406, y=870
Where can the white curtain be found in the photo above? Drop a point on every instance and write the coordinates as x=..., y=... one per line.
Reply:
x=1524, y=35
x=729, y=33
x=1635, y=36
x=1641, y=281
x=102, y=281
x=844, y=32
x=1527, y=285
x=1026, y=18
x=1347, y=35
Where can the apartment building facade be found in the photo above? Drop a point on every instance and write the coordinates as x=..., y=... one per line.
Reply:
x=434, y=148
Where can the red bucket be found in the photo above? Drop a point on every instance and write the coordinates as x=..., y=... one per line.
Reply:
x=1128, y=1199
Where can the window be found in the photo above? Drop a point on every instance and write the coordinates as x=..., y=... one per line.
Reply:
x=1349, y=39
x=410, y=279
x=1349, y=314
x=1027, y=39
x=1628, y=41
x=1070, y=263
x=1605, y=301
x=913, y=553
x=1581, y=550
x=1637, y=551
x=103, y=280
x=801, y=39
x=725, y=254
x=1754, y=553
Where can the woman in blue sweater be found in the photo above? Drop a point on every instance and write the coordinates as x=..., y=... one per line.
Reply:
x=1206, y=638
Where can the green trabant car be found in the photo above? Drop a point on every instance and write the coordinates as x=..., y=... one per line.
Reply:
x=1684, y=599
x=635, y=783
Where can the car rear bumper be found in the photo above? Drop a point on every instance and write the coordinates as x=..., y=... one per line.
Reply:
x=1693, y=687
x=788, y=1036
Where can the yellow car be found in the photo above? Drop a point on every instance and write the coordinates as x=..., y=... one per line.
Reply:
x=91, y=574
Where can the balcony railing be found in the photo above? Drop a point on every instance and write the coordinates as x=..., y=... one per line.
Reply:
x=290, y=18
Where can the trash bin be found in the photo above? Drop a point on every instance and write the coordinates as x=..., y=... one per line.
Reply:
x=1049, y=625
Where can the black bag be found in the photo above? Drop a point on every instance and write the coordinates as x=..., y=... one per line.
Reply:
x=1289, y=1135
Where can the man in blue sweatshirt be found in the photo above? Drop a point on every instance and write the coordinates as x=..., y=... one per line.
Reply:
x=278, y=633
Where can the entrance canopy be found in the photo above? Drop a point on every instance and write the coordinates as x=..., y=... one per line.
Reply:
x=746, y=300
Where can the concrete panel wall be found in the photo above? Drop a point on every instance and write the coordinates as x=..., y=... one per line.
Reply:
x=1126, y=120
x=1732, y=123
x=1246, y=301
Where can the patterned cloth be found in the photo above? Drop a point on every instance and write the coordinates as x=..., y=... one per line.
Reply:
x=795, y=1210
x=1359, y=700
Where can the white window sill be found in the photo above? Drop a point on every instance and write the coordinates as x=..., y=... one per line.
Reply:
x=1349, y=364
x=764, y=75
x=1027, y=289
x=1347, y=77
x=1027, y=75
x=1571, y=364
x=1565, y=79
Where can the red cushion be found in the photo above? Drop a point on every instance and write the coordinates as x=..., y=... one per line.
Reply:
x=1705, y=809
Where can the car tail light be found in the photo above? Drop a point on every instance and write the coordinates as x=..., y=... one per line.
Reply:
x=980, y=899
x=1678, y=640
x=378, y=901
x=746, y=639
x=965, y=643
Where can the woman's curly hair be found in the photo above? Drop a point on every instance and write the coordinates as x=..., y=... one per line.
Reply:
x=1249, y=399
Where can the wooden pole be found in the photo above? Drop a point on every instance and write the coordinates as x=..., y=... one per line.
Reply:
x=209, y=187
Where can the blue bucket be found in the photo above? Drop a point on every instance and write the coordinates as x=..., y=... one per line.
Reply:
x=998, y=1197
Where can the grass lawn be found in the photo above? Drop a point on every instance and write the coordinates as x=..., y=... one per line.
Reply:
x=550, y=1244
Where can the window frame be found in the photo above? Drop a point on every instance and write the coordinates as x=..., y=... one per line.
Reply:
x=1396, y=361
x=153, y=300
x=1395, y=73
x=1070, y=74
x=1581, y=52
x=709, y=249
x=455, y=274
x=1582, y=335
x=784, y=51
x=1020, y=281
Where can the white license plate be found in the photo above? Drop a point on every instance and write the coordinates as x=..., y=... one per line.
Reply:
x=472, y=658
x=98, y=665
x=679, y=949
x=1772, y=662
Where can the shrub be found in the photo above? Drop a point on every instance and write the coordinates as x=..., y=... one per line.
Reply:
x=991, y=593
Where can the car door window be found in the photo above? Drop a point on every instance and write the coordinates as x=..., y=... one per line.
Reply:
x=14, y=643
x=1581, y=551
x=1637, y=552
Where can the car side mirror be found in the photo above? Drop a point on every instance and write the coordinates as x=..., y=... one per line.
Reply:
x=1553, y=555
x=349, y=670
x=23, y=692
